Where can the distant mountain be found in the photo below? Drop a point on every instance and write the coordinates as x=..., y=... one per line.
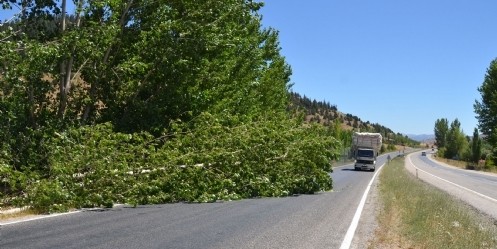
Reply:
x=422, y=137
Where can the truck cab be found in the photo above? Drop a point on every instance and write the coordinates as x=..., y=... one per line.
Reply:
x=365, y=159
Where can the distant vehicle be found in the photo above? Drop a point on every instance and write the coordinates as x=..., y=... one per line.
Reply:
x=423, y=153
x=366, y=147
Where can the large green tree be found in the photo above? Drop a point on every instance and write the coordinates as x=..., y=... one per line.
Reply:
x=456, y=141
x=149, y=67
x=51, y=62
x=139, y=64
x=441, y=130
x=486, y=107
x=181, y=58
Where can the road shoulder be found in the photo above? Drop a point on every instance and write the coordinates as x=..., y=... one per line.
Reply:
x=368, y=223
x=430, y=157
x=483, y=205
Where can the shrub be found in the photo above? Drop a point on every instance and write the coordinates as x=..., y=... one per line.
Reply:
x=441, y=152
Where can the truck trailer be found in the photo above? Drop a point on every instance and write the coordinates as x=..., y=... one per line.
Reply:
x=365, y=149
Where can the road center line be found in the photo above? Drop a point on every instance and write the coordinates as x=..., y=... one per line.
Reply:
x=355, y=221
x=455, y=184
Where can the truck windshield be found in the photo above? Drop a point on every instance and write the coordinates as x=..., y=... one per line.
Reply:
x=365, y=153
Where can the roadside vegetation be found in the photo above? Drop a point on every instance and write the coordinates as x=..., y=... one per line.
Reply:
x=457, y=149
x=479, y=150
x=465, y=165
x=13, y=214
x=416, y=215
x=145, y=102
x=149, y=102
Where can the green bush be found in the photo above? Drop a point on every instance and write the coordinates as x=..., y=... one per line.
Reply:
x=489, y=162
x=441, y=152
x=48, y=195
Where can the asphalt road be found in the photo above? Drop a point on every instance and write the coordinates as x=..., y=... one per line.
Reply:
x=305, y=221
x=478, y=189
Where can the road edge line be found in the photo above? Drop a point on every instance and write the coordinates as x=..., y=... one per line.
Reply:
x=349, y=236
x=37, y=218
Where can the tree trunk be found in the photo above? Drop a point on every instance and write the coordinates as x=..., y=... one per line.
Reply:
x=67, y=64
x=94, y=85
x=63, y=68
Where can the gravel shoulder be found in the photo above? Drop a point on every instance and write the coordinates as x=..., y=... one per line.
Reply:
x=368, y=223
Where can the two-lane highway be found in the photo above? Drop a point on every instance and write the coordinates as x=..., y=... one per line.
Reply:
x=306, y=221
x=478, y=189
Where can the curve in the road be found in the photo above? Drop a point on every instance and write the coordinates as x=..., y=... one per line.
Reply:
x=475, y=188
x=455, y=184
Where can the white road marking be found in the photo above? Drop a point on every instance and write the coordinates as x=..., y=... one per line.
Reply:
x=455, y=184
x=355, y=221
x=37, y=218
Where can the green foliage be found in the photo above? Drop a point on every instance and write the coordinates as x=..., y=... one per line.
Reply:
x=260, y=149
x=383, y=149
x=140, y=67
x=487, y=154
x=441, y=152
x=441, y=130
x=214, y=158
x=476, y=147
x=184, y=57
x=489, y=163
x=324, y=113
x=155, y=102
x=48, y=196
x=456, y=141
x=391, y=147
x=486, y=108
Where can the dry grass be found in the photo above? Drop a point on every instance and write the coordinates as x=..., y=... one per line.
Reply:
x=22, y=214
x=389, y=233
x=455, y=163
x=464, y=165
x=417, y=215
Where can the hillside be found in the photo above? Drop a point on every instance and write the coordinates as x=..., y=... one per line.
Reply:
x=325, y=113
x=422, y=137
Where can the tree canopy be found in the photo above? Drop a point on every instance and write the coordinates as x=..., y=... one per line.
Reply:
x=456, y=141
x=148, y=102
x=486, y=107
x=141, y=63
x=441, y=130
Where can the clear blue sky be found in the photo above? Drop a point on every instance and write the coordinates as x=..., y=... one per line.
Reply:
x=402, y=64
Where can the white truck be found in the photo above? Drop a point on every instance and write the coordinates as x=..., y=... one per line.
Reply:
x=365, y=148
